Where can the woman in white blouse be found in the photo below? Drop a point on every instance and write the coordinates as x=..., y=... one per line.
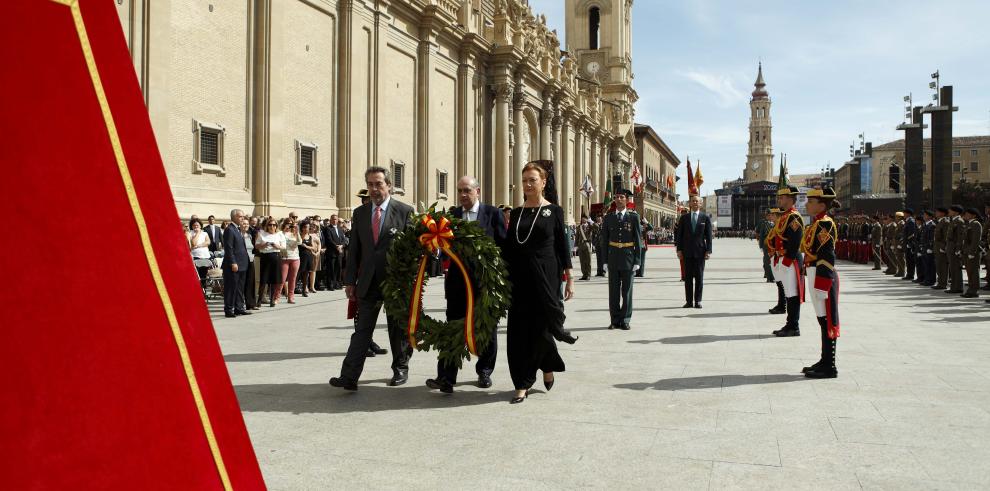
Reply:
x=267, y=246
x=199, y=246
x=290, y=259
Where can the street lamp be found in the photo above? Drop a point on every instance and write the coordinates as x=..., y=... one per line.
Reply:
x=935, y=86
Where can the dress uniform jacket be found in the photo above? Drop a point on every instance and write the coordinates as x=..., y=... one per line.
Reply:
x=971, y=253
x=818, y=246
x=785, y=243
x=621, y=240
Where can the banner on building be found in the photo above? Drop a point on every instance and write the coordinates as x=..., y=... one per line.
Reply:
x=725, y=211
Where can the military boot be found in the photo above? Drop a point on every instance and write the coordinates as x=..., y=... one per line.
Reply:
x=781, y=306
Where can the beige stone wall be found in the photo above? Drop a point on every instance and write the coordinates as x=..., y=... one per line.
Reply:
x=438, y=86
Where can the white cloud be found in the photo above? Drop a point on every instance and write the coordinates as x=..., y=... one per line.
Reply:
x=720, y=85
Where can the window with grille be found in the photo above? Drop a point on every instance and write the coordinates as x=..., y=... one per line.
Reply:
x=442, y=184
x=956, y=166
x=306, y=162
x=974, y=152
x=974, y=166
x=398, y=176
x=955, y=153
x=208, y=147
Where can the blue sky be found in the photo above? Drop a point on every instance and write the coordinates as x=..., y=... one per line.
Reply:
x=834, y=69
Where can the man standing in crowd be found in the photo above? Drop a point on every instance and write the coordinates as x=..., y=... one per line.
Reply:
x=942, y=227
x=235, y=264
x=986, y=245
x=970, y=255
x=215, y=233
x=335, y=243
x=926, y=249
x=374, y=226
x=621, y=241
x=787, y=235
x=601, y=255
x=694, y=247
x=908, y=238
x=953, y=248
x=644, y=228
x=492, y=221
x=584, y=247
x=890, y=244
x=876, y=241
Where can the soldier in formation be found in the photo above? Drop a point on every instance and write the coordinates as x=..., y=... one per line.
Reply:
x=785, y=242
x=971, y=251
x=876, y=241
x=818, y=248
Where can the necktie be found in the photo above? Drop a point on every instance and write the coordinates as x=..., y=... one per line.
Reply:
x=694, y=221
x=376, y=223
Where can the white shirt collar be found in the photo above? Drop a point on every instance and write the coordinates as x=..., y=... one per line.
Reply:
x=383, y=206
x=474, y=209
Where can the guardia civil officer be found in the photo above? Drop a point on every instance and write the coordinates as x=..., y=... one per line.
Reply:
x=971, y=253
x=953, y=248
x=620, y=238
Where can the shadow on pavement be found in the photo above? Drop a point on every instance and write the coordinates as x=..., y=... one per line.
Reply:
x=713, y=382
x=321, y=398
x=716, y=315
x=276, y=356
x=701, y=339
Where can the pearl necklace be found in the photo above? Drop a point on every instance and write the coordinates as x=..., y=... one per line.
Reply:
x=531, y=227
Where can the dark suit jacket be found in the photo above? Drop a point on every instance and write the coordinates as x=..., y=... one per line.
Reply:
x=216, y=235
x=490, y=219
x=234, y=249
x=366, y=260
x=332, y=237
x=694, y=242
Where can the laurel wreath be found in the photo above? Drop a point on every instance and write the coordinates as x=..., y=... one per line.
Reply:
x=484, y=262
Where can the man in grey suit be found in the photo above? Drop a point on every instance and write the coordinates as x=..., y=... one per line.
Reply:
x=374, y=224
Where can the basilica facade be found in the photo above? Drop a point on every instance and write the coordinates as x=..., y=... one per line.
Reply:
x=279, y=105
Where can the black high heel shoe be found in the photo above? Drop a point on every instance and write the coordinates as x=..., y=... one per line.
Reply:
x=549, y=385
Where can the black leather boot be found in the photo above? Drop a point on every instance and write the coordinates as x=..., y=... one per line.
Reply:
x=792, y=327
x=823, y=324
x=827, y=369
x=781, y=306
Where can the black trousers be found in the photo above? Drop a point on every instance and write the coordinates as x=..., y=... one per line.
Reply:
x=368, y=309
x=909, y=260
x=233, y=290
x=620, y=296
x=484, y=367
x=600, y=260
x=456, y=295
x=694, y=278
x=250, y=299
x=332, y=270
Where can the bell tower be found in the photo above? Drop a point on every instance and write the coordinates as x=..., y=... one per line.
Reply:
x=599, y=37
x=759, y=158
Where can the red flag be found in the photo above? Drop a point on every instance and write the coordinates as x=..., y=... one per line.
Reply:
x=692, y=189
x=116, y=379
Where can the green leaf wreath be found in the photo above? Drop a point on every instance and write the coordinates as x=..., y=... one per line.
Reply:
x=485, y=265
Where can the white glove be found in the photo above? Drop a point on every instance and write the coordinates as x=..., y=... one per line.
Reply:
x=900, y=247
x=636, y=266
x=942, y=251
x=929, y=251
x=971, y=256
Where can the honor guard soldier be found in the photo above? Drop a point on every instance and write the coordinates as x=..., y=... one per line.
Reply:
x=818, y=247
x=781, y=307
x=890, y=244
x=621, y=241
x=953, y=248
x=876, y=241
x=842, y=223
x=787, y=234
x=942, y=227
x=583, y=238
x=986, y=245
x=864, y=240
x=899, y=240
x=762, y=230
x=971, y=253
x=926, y=249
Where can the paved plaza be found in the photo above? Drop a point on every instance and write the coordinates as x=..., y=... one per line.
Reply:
x=688, y=399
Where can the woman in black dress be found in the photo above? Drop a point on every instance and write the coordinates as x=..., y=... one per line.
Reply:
x=537, y=253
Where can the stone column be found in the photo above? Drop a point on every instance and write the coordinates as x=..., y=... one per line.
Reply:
x=503, y=94
x=556, y=157
x=603, y=166
x=465, y=74
x=593, y=168
x=422, y=176
x=261, y=182
x=519, y=156
x=546, y=120
x=565, y=165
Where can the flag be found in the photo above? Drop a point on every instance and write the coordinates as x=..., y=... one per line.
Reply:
x=692, y=190
x=698, y=178
x=607, y=201
x=137, y=397
x=782, y=182
x=635, y=178
x=586, y=189
x=670, y=181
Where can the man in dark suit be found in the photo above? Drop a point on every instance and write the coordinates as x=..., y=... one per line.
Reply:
x=492, y=221
x=909, y=237
x=374, y=226
x=235, y=265
x=215, y=233
x=335, y=241
x=694, y=247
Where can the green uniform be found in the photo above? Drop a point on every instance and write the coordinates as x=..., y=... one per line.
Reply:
x=970, y=255
x=876, y=238
x=584, y=247
x=953, y=249
x=899, y=248
x=621, y=241
x=762, y=230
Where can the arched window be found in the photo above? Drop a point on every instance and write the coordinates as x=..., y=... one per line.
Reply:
x=594, y=27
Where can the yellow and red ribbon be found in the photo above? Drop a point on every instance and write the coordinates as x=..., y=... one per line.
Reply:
x=439, y=237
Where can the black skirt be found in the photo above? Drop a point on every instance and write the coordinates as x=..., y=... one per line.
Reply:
x=271, y=269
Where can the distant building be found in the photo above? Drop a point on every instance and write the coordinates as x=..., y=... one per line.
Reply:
x=658, y=201
x=970, y=161
x=759, y=157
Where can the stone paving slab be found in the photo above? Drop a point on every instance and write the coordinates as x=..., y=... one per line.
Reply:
x=688, y=399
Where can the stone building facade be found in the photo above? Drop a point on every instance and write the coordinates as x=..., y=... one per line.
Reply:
x=970, y=161
x=278, y=105
x=657, y=203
